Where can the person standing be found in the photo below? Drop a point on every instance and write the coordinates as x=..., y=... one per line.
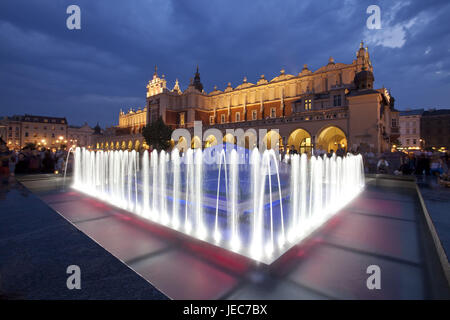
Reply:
x=5, y=155
x=382, y=166
x=12, y=163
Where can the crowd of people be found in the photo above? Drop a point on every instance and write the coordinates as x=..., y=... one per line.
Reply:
x=31, y=160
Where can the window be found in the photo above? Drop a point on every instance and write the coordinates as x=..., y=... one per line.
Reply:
x=407, y=141
x=211, y=120
x=62, y=128
x=337, y=100
x=394, y=122
x=222, y=118
x=414, y=141
x=308, y=104
x=254, y=115
x=182, y=119
x=238, y=116
x=273, y=112
x=26, y=134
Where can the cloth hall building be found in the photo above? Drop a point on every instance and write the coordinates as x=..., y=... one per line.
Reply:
x=334, y=106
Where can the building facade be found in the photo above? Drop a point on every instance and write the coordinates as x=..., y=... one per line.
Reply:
x=435, y=128
x=410, y=137
x=133, y=121
x=81, y=136
x=42, y=131
x=333, y=106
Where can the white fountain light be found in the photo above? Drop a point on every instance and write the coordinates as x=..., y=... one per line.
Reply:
x=254, y=208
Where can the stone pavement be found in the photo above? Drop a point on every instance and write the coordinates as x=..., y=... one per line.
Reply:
x=37, y=245
x=437, y=200
x=384, y=226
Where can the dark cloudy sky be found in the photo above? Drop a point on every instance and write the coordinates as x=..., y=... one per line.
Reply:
x=89, y=74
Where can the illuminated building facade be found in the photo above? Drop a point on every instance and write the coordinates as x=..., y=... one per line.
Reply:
x=49, y=132
x=410, y=137
x=333, y=106
x=80, y=136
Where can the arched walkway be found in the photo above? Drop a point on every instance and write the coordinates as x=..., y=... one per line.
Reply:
x=300, y=140
x=137, y=145
x=210, y=141
x=331, y=138
x=196, y=143
x=273, y=140
x=182, y=144
x=229, y=138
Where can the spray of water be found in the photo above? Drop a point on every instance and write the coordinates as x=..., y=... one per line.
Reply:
x=182, y=192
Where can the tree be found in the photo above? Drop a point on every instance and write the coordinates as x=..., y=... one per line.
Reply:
x=157, y=134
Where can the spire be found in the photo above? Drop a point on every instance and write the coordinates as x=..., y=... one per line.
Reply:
x=156, y=71
x=176, y=87
x=197, y=83
x=361, y=45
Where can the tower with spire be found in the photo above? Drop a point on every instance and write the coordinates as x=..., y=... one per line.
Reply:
x=197, y=83
x=156, y=85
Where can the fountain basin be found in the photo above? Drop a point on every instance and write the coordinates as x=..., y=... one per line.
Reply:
x=245, y=201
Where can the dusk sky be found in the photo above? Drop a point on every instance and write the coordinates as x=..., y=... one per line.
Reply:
x=90, y=74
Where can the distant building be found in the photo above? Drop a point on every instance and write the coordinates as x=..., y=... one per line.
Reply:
x=80, y=136
x=435, y=128
x=132, y=121
x=19, y=130
x=410, y=137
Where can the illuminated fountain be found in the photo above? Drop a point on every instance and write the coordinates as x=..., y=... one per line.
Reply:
x=244, y=201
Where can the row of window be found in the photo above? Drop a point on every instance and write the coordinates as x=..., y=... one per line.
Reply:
x=414, y=141
x=35, y=128
x=237, y=116
x=45, y=120
x=273, y=115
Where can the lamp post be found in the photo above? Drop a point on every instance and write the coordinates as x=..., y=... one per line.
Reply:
x=422, y=143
